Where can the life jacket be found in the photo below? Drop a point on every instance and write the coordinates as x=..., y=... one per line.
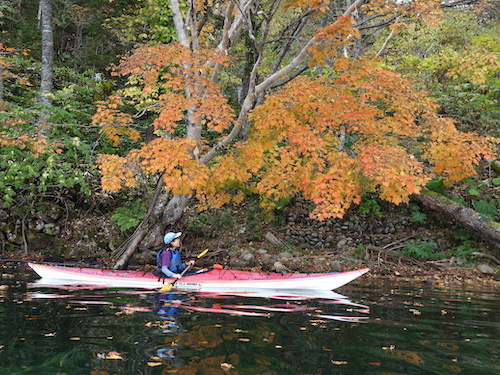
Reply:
x=175, y=260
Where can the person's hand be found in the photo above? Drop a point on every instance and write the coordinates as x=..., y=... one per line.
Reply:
x=190, y=262
x=177, y=275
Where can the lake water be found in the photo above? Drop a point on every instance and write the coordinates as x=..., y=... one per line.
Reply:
x=381, y=328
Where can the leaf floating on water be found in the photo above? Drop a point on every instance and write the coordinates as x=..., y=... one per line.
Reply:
x=339, y=362
x=326, y=349
x=415, y=312
x=244, y=339
x=375, y=363
x=154, y=364
x=110, y=355
x=226, y=366
x=2, y=346
x=392, y=347
x=50, y=334
x=75, y=339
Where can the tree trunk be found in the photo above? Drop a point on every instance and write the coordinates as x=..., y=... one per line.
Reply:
x=169, y=217
x=149, y=234
x=1, y=87
x=470, y=219
x=46, y=81
x=142, y=230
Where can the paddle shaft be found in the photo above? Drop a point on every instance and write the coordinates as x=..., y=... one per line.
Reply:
x=182, y=274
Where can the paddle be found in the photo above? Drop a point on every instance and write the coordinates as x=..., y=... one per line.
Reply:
x=168, y=287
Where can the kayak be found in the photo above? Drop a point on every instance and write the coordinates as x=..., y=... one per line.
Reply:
x=211, y=280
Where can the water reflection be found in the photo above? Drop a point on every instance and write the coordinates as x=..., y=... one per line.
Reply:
x=378, y=329
x=200, y=331
x=306, y=300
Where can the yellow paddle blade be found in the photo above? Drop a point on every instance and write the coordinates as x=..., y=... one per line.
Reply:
x=165, y=288
x=202, y=253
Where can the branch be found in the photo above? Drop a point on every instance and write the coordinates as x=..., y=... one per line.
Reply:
x=386, y=42
x=487, y=256
x=301, y=56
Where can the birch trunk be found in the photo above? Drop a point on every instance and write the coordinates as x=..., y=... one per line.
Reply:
x=46, y=81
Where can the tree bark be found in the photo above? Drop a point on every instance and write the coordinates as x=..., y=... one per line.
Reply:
x=470, y=219
x=170, y=215
x=46, y=81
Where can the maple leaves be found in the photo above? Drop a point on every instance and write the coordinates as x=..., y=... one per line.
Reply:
x=331, y=139
x=179, y=79
x=113, y=122
x=176, y=86
x=330, y=40
x=365, y=130
x=170, y=157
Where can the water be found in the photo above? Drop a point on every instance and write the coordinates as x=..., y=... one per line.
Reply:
x=381, y=328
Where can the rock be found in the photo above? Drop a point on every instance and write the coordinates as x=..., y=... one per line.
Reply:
x=249, y=258
x=49, y=213
x=283, y=255
x=274, y=240
x=335, y=266
x=237, y=263
x=486, y=269
x=279, y=267
x=342, y=243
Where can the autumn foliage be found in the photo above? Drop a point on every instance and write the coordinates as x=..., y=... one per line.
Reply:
x=331, y=138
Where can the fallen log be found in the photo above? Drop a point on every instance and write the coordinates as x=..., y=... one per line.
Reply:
x=486, y=229
x=487, y=256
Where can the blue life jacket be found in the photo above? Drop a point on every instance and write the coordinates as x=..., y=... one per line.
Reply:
x=176, y=265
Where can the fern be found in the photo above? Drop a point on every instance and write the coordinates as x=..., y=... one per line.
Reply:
x=128, y=217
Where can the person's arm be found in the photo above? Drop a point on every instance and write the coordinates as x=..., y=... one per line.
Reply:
x=167, y=272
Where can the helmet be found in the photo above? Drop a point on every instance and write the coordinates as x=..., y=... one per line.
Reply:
x=170, y=236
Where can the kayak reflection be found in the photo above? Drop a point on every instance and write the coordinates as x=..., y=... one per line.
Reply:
x=310, y=302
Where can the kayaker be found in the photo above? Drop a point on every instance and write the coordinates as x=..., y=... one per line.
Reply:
x=169, y=259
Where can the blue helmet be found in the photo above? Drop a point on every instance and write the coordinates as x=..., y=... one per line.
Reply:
x=170, y=236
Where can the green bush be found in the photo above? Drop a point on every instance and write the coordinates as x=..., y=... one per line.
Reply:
x=128, y=217
x=423, y=250
x=209, y=223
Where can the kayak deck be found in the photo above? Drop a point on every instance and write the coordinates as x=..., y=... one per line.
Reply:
x=215, y=278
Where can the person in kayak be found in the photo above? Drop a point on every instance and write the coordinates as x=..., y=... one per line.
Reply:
x=169, y=259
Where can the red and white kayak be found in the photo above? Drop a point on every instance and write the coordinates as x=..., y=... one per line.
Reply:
x=205, y=281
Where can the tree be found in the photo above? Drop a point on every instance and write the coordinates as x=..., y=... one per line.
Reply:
x=344, y=128
x=458, y=63
x=46, y=81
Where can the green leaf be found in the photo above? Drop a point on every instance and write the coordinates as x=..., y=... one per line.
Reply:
x=487, y=209
x=473, y=191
